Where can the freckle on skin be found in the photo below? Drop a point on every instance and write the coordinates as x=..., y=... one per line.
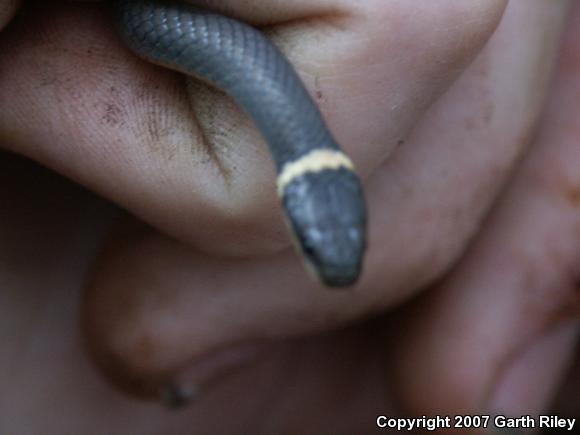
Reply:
x=573, y=195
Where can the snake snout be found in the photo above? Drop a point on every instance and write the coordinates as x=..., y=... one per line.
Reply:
x=339, y=262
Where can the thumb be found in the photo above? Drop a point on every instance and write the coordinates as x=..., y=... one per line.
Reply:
x=180, y=156
x=499, y=334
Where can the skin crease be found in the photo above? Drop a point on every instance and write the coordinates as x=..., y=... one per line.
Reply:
x=156, y=305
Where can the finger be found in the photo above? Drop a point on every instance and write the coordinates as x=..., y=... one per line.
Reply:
x=498, y=335
x=73, y=98
x=272, y=298
x=433, y=193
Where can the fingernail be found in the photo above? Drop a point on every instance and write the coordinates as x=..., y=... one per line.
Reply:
x=178, y=396
x=191, y=383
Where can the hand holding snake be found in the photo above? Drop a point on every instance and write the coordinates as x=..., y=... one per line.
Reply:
x=209, y=273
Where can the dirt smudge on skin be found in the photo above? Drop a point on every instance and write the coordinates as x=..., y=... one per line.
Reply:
x=112, y=114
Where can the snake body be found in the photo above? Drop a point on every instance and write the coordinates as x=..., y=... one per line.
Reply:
x=320, y=192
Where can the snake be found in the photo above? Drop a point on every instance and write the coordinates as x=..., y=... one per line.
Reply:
x=320, y=193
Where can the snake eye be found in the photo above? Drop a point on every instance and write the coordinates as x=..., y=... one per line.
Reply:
x=308, y=250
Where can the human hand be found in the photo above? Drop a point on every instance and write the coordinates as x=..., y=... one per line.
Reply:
x=500, y=333
x=158, y=305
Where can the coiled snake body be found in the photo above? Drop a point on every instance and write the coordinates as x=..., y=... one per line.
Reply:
x=320, y=192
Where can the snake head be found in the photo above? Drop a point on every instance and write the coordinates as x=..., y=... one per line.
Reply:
x=327, y=214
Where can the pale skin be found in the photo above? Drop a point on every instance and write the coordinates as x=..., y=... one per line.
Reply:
x=472, y=171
